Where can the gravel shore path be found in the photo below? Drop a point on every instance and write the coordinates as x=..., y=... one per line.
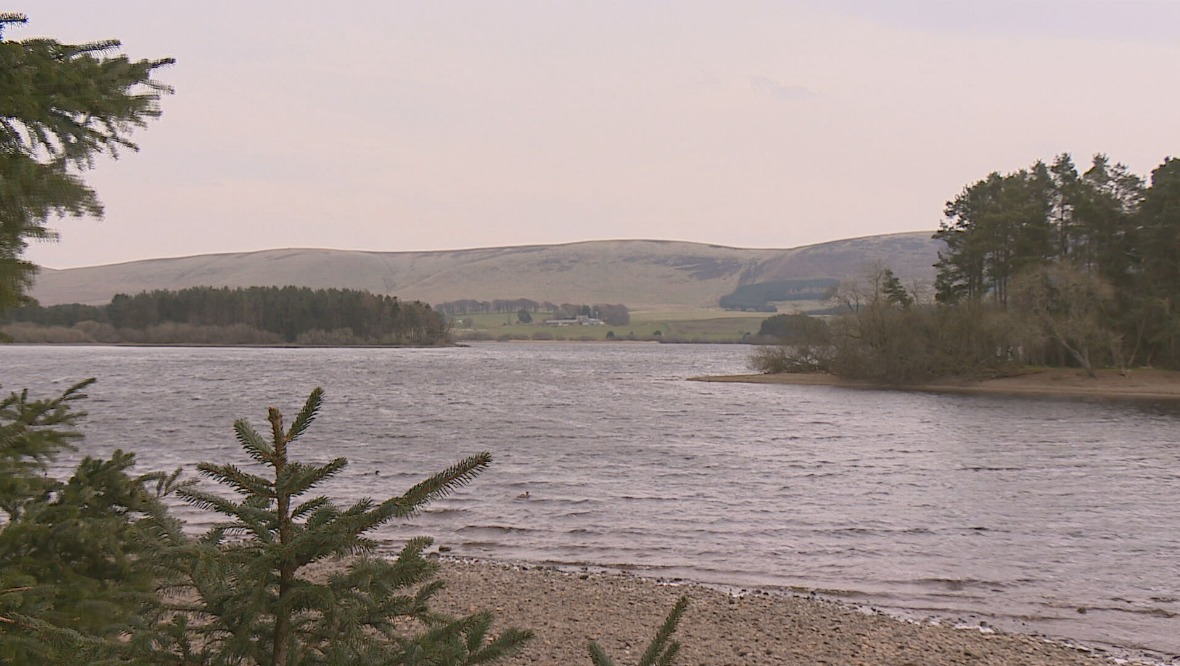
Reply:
x=622, y=612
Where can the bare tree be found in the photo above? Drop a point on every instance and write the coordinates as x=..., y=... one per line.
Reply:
x=1070, y=306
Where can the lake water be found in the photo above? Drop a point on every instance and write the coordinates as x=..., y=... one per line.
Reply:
x=1037, y=515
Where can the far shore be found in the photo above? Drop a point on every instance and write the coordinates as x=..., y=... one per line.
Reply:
x=1136, y=384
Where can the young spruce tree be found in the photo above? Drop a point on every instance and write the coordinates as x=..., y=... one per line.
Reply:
x=243, y=593
x=71, y=584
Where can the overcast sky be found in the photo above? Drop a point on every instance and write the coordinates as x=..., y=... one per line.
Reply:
x=398, y=126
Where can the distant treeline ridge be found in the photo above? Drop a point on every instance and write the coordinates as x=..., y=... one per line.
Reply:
x=288, y=314
x=760, y=296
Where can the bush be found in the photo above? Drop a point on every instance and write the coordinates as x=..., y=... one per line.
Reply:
x=771, y=359
x=334, y=337
x=98, y=331
x=794, y=328
x=34, y=334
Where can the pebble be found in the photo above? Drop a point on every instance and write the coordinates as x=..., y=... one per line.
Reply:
x=623, y=611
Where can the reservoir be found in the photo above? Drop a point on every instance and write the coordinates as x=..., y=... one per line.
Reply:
x=1037, y=515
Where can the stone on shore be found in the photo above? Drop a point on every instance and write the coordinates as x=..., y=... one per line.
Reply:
x=622, y=612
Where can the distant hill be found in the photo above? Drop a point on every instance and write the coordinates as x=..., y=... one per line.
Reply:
x=638, y=273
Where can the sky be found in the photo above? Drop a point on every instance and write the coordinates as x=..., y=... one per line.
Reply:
x=404, y=126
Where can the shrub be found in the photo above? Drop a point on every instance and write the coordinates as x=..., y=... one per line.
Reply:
x=771, y=359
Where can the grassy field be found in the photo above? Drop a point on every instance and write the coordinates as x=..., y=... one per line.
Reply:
x=703, y=325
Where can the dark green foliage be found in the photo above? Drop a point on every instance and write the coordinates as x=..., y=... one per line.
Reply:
x=248, y=597
x=758, y=296
x=893, y=291
x=1157, y=307
x=794, y=328
x=1124, y=238
x=33, y=433
x=294, y=314
x=61, y=105
x=78, y=548
x=71, y=574
x=286, y=311
x=661, y=651
x=67, y=314
x=993, y=229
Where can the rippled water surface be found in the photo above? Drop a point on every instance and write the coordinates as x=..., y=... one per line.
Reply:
x=1040, y=515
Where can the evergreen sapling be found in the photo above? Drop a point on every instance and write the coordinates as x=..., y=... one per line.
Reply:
x=244, y=594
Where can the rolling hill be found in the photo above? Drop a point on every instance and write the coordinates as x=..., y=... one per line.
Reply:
x=639, y=273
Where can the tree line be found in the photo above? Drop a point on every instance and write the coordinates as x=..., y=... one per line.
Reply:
x=1082, y=256
x=613, y=314
x=287, y=314
x=759, y=296
x=470, y=306
x=1043, y=265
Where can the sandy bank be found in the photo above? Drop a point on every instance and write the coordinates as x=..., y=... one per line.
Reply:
x=622, y=612
x=1146, y=384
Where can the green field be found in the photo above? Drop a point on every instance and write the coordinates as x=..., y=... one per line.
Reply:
x=704, y=325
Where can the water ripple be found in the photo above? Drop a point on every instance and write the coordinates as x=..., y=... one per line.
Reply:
x=1037, y=515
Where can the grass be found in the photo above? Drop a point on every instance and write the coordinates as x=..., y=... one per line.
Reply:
x=703, y=325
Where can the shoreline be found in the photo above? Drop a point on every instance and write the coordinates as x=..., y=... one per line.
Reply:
x=621, y=611
x=1138, y=384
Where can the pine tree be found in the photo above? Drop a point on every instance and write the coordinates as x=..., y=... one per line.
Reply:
x=33, y=433
x=71, y=583
x=244, y=594
x=60, y=106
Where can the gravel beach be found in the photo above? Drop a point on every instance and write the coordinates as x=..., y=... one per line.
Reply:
x=622, y=612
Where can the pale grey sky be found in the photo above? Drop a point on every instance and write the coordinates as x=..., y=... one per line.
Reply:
x=400, y=125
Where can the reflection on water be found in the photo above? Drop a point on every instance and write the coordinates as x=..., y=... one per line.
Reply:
x=1040, y=515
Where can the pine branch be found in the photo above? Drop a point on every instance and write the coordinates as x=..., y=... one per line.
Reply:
x=310, y=506
x=252, y=442
x=298, y=478
x=661, y=651
x=598, y=656
x=307, y=415
x=662, y=643
x=436, y=487
x=250, y=485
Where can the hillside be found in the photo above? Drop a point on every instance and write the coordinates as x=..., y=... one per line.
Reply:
x=638, y=273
